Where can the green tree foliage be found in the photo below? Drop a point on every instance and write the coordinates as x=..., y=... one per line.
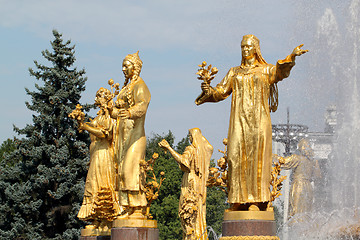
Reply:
x=8, y=146
x=41, y=194
x=215, y=207
x=165, y=209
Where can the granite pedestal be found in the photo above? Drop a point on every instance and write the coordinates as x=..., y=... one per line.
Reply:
x=249, y=225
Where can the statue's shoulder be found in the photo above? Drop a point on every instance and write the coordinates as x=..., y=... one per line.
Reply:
x=237, y=68
x=267, y=68
x=140, y=86
x=234, y=70
x=140, y=83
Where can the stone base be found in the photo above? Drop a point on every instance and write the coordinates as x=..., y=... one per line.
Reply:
x=95, y=238
x=134, y=223
x=249, y=225
x=134, y=233
x=250, y=238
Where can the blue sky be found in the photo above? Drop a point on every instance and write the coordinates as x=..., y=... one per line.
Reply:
x=173, y=37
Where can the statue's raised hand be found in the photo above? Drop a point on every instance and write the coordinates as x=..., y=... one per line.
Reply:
x=164, y=144
x=298, y=51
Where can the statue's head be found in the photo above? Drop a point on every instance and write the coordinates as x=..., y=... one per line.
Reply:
x=103, y=97
x=250, y=47
x=305, y=148
x=132, y=65
x=194, y=134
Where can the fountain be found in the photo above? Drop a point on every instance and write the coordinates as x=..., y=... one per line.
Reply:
x=338, y=41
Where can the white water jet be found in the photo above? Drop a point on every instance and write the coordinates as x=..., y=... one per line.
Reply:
x=337, y=48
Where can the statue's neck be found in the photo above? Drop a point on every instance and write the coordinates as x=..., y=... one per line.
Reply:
x=249, y=62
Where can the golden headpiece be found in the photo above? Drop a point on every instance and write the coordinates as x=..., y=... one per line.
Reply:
x=134, y=59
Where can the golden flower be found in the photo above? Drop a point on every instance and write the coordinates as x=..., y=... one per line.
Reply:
x=162, y=173
x=155, y=156
x=225, y=141
x=213, y=170
x=203, y=64
x=117, y=86
x=155, y=184
x=222, y=163
x=111, y=82
x=214, y=70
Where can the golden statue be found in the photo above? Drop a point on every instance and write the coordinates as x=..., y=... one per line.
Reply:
x=194, y=162
x=130, y=141
x=254, y=95
x=303, y=165
x=100, y=205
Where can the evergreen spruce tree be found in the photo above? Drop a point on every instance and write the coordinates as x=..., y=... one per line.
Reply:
x=41, y=194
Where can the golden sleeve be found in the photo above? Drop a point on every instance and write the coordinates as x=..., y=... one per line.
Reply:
x=220, y=92
x=282, y=69
x=142, y=98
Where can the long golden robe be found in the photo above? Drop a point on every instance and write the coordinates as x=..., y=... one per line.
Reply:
x=194, y=162
x=249, y=134
x=101, y=175
x=131, y=142
x=301, y=192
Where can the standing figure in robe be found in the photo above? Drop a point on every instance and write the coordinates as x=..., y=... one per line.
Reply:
x=254, y=95
x=100, y=205
x=194, y=162
x=303, y=167
x=130, y=141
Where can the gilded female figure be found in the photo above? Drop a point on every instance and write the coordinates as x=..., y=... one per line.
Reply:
x=254, y=95
x=130, y=141
x=100, y=182
x=194, y=162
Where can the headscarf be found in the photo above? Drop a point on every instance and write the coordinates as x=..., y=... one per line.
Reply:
x=273, y=96
x=203, y=152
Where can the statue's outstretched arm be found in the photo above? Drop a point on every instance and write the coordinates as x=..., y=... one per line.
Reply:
x=181, y=159
x=283, y=67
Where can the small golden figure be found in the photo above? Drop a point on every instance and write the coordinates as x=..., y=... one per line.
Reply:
x=254, y=95
x=130, y=141
x=100, y=205
x=194, y=162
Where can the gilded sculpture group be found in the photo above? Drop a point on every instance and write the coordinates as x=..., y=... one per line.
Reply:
x=114, y=187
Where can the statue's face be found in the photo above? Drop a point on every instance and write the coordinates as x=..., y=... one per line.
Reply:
x=190, y=137
x=128, y=69
x=99, y=99
x=247, y=48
